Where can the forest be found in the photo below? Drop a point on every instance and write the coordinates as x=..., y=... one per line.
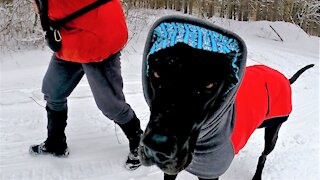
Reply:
x=20, y=26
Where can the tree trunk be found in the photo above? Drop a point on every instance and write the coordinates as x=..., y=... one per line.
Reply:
x=223, y=6
x=240, y=11
x=211, y=9
x=230, y=9
x=246, y=10
x=185, y=6
x=258, y=11
x=168, y=4
x=190, y=6
x=177, y=5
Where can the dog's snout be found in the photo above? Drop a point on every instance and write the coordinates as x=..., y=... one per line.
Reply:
x=159, y=146
x=158, y=156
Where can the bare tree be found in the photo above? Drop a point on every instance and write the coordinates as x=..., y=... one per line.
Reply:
x=309, y=16
x=211, y=6
x=243, y=10
x=191, y=6
x=177, y=5
x=223, y=9
x=18, y=26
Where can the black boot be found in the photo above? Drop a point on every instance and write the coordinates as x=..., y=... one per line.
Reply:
x=56, y=143
x=133, y=132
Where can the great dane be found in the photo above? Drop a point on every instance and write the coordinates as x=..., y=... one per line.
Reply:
x=204, y=102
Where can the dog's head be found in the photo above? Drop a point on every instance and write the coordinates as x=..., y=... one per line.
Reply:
x=183, y=86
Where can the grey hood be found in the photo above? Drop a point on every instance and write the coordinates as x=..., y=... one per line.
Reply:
x=214, y=151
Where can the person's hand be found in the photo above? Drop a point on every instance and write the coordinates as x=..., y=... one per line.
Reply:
x=35, y=7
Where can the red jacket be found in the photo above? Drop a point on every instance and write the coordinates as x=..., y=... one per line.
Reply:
x=263, y=94
x=91, y=37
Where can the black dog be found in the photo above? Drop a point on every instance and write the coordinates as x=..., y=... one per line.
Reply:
x=191, y=94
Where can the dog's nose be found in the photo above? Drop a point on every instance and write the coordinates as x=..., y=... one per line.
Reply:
x=159, y=146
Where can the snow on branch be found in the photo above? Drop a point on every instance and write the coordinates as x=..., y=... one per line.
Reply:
x=19, y=28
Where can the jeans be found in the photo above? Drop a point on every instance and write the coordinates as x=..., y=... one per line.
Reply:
x=105, y=81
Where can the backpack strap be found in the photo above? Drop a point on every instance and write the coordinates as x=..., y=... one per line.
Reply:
x=48, y=24
x=52, y=28
x=61, y=22
x=42, y=6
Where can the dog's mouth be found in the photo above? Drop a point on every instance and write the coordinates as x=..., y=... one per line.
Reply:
x=169, y=166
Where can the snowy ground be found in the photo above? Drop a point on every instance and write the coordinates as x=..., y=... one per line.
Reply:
x=98, y=148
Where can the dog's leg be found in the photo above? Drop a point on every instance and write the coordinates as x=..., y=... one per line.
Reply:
x=270, y=136
x=169, y=177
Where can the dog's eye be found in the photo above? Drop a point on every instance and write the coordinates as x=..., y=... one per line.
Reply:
x=210, y=85
x=156, y=74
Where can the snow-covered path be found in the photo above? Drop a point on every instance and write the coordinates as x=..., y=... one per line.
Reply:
x=98, y=148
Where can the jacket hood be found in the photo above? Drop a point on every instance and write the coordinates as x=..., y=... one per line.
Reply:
x=213, y=142
x=202, y=35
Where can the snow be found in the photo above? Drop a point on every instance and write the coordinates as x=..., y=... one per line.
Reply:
x=98, y=148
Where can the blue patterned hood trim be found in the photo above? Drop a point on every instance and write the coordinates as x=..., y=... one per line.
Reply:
x=168, y=34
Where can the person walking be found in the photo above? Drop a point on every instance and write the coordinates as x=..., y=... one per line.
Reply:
x=90, y=45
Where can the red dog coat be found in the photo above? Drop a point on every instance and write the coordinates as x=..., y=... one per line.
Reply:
x=263, y=94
